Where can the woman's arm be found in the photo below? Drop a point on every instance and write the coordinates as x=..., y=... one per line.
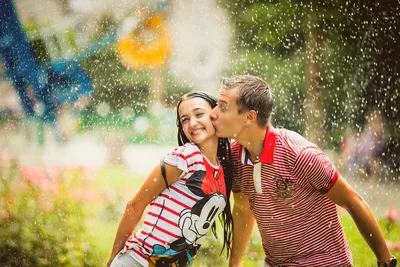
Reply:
x=150, y=189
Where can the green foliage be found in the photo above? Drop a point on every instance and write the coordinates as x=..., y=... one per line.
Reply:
x=161, y=129
x=120, y=87
x=41, y=224
x=288, y=86
x=358, y=65
x=362, y=254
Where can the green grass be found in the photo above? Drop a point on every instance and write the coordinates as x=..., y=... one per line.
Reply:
x=362, y=254
x=117, y=185
x=117, y=178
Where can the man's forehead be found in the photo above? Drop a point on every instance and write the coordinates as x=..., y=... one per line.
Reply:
x=225, y=95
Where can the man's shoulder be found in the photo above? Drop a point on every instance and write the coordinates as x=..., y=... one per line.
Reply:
x=292, y=140
x=236, y=148
x=235, y=145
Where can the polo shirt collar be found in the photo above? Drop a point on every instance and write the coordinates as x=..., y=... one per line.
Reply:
x=267, y=155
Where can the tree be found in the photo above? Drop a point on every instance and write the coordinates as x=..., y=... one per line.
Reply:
x=344, y=52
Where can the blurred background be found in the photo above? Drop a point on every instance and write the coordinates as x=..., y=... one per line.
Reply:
x=88, y=91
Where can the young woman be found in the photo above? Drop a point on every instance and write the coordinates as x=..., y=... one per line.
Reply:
x=185, y=195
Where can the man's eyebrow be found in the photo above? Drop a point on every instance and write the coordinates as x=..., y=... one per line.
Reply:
x=222, y=102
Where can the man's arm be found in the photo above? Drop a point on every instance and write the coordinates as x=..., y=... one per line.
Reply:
x=345, y=196
x=243, y=223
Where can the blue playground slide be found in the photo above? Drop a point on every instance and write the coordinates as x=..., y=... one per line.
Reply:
x=56, y=83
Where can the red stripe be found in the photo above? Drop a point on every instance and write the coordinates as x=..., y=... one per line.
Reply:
x=239, y=147
x=158, y=239
x=192, y=154
x=163, y=218
x=179, y=155
x=267, y=155
x=176, y=201
x=333, y=181
x=165, y=208
x=183, y=193
x=140, y=254
x=140, y=241
x=155, y=238
x=161, y=229
x=196, y=162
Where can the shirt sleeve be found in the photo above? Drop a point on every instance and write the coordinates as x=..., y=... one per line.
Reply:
x=312, y=164
x=184, y=157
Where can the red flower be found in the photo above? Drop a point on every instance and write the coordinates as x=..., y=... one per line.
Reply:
x=392, y=214
x=4, y=214
x=396, y=246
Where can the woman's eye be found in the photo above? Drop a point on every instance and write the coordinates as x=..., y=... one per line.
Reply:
x=199, y=114
x=184, y=121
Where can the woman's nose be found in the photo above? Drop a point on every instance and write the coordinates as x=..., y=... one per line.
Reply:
x=193, y=121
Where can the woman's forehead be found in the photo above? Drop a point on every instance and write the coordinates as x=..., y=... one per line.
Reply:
x=194, y=103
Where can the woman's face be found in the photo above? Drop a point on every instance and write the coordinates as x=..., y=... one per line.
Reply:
x=194, y=115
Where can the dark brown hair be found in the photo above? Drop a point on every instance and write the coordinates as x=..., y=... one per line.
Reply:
x=253, y=94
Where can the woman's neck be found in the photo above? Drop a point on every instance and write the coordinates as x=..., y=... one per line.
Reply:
x=209, y=150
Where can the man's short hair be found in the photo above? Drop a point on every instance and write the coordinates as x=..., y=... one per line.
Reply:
x=253, y=94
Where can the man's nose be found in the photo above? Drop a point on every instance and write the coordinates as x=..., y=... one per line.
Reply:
x=213, y=114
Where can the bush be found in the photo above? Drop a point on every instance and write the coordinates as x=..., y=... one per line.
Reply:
x=41, y=224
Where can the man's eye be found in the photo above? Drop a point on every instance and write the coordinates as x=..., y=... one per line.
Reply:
x=199, y=114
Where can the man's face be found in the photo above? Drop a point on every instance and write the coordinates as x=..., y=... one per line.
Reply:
x=227, y=121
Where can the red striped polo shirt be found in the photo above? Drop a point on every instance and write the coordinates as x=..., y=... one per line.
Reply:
x=298, y=224
x=183, y=213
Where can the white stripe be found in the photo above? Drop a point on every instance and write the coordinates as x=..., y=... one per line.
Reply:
x=257, y=177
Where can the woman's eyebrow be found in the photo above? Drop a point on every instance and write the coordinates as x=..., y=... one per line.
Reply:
x=195, y=109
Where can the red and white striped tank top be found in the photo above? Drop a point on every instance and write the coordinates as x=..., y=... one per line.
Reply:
x=178, y=220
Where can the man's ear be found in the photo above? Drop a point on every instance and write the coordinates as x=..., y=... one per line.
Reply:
x=251, y=116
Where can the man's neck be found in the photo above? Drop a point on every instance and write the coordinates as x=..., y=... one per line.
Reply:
x=253, y=141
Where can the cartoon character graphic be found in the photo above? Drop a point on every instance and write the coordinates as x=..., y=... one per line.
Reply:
x=195, y=222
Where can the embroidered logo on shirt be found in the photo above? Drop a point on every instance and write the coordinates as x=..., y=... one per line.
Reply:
x=282, y=189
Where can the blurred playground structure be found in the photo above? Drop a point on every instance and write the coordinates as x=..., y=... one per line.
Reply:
x=43, y=45
x=47, y=87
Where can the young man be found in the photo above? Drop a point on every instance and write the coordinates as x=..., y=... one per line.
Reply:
x=288, y=185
